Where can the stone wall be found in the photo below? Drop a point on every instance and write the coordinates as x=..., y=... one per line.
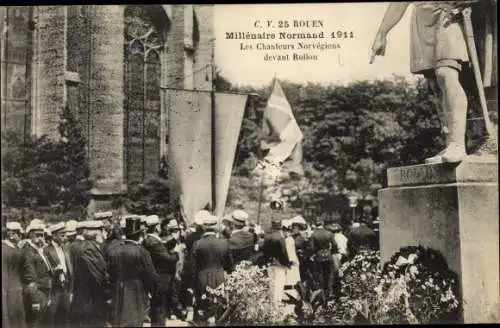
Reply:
x=50, y=67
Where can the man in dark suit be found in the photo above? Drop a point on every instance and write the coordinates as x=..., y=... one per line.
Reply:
x=211, y=257
x=58, y=258
x=88, y=307
x=164, y=262
x=187, y=283
x=322, y=245
x=13, y=315
x=132, y=277
x=242, y=241
x=36, y=277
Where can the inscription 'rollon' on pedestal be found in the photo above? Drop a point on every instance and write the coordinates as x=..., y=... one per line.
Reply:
x=426, y=174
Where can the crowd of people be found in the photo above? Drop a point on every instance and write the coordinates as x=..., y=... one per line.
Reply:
x=123, y=273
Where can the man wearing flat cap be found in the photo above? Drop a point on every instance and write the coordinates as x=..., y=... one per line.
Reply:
x=36, y=277
x=165, y=264
x=211, y=257
x=13, y=314
x=132, y=277
x=88, y=307
x=241, y=242
x=61, y=276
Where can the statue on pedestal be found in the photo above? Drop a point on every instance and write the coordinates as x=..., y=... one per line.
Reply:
x=441, y=44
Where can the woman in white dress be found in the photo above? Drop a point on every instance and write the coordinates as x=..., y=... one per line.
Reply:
x=292, y=273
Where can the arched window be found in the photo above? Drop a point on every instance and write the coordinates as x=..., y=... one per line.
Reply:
x=16, y=54
x=144, y=45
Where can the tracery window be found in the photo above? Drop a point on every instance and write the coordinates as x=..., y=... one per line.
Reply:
x=17, y=49
x=144, y=45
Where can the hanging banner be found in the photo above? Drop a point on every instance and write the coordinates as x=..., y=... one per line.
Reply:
x=190, y=148
x=229, y=110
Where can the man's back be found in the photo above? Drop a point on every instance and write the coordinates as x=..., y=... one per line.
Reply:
x=241, y=244
x=211, y=252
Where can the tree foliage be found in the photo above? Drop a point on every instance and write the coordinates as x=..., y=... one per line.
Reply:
x=44, y=176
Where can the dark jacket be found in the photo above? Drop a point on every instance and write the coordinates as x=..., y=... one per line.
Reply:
x=322, y=239
x=274, y=248
x=132, y=277
x=13, y=315
x=36, y=276
x=163, y=260
x=51, y=255
x=242, y=245
x=89, y=285
x=211, y=257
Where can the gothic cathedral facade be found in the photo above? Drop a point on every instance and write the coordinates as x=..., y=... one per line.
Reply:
x=111, y=65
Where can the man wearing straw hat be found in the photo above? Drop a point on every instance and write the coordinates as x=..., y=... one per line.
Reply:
x=211, y=257
x=62, y=276
x=241, y=242
x=13, y=314
x=36, y=276
x=164, y=263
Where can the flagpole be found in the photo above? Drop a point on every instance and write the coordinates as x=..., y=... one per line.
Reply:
x=261, y=186
x=212, y=100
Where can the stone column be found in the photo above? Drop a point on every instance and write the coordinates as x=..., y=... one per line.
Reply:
x=453, y=209
x=106, y=108
x=49, y=69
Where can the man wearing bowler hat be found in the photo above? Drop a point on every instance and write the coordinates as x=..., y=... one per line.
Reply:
x=211, y=257
x=132, y=277
x=242, y=241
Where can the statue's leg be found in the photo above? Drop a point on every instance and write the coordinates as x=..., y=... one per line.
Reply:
x=432, y=82
x=454, y=104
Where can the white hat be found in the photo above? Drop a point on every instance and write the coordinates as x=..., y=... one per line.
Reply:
x=14, y=225
x=103, y=215
x=210, y=221
x=152, y=220
x=56, y=227
x=258, y=230
x=286, y=224
x=172, y=225
x=35, y=224
x=239, y=216
x=298, y=220
x=91, y=224
x=71, y=226
x=200, y=216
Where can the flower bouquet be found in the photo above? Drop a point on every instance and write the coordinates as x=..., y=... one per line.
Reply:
x=243, y=299
x=417, y=287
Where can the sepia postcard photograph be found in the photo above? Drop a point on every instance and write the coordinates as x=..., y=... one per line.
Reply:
x=288, y=164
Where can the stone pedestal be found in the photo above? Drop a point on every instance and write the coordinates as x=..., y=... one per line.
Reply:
x=452, y=208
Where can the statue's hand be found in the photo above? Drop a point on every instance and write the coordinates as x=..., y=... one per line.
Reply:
x=378, y=47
